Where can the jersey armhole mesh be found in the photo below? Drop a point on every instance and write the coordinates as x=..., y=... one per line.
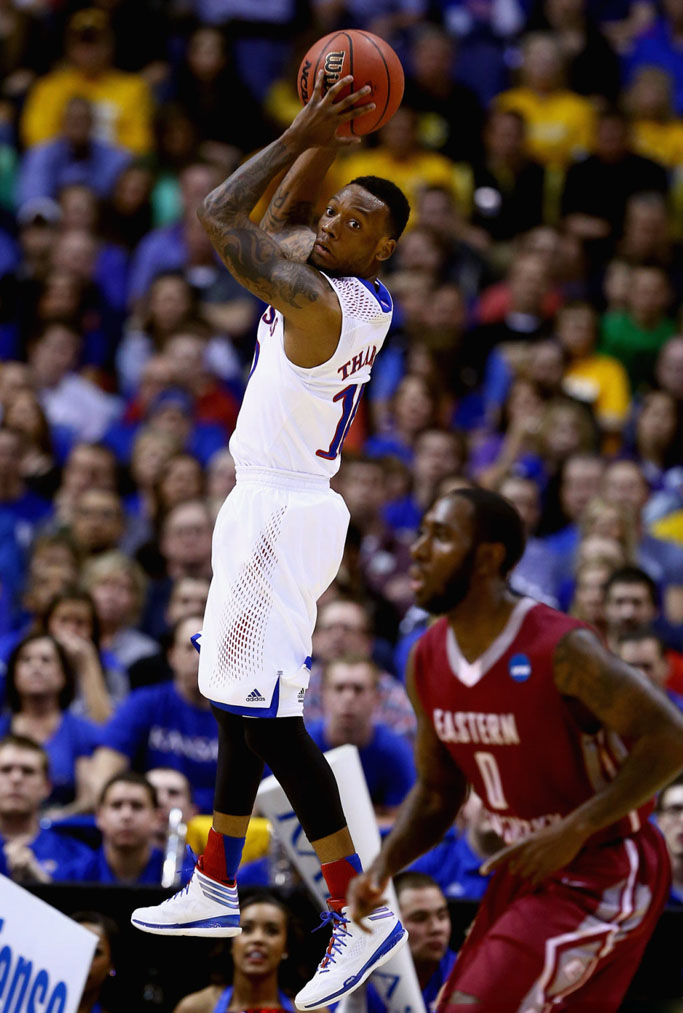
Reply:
x=355, y=300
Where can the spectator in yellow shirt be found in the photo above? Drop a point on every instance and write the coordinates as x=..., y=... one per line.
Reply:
x=399, y=157
x=121, y=102
x=599, y=380
x=655, y=131
x=559, y=122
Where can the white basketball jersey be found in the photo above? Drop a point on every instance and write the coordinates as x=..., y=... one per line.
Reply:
x=295, y=419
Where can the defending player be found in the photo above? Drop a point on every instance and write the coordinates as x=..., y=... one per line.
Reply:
x=279, y=537
x=565, y=743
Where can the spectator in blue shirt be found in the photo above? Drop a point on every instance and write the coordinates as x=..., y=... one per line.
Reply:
x=349, y=704
x=27, y=852
x=169, y=725
x=424, y=913
x=669, y=817
x=73, y=157
x=40, y=688
x=127, y=816
x=455, y=862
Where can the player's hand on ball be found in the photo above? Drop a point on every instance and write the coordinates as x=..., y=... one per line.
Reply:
x=541, y=854
x=364, y=895
x=316, y=125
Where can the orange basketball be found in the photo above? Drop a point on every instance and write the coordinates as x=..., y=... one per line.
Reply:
x=371, y=60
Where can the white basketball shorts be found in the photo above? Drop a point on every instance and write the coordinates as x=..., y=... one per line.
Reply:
x=277, y=545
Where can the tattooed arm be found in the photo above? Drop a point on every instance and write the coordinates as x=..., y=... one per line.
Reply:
x=301, y=293
x=290, y=215
x=627, y=703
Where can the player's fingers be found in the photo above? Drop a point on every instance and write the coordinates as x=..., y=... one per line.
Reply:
x=334, y=90
x=318, y=84
x=353, y=114
x=353, y=97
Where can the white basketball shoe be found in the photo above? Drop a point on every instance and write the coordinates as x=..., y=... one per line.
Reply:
x=352, y=955
x=204, y=907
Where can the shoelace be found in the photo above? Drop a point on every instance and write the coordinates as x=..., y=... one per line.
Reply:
x=337, y=941
x=179, y=893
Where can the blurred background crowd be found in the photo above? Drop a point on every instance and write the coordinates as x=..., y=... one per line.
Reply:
x=536, y=349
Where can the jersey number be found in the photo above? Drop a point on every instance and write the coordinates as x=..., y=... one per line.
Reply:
x=490, y=775
x=350, y=399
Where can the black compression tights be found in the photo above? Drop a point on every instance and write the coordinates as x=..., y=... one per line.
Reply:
x=245, y=744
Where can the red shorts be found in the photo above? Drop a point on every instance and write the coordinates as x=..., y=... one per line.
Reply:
x=573, y=943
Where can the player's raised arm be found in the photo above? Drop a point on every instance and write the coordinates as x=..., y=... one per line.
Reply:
x=425, y=815
x=289, y=218
x=300, y=292
x=626, y=702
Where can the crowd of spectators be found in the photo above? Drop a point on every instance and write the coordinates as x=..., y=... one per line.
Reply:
x=536, y=348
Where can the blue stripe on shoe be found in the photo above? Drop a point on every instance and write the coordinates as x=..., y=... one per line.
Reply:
x=221, y=922
x=389, y=943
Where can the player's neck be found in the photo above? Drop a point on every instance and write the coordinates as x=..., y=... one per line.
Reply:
x=480, y=618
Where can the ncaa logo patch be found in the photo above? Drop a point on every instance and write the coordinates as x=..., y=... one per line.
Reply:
x=519, y=667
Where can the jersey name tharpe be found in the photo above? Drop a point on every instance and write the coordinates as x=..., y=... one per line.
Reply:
x=295, y=419
x=469, y=726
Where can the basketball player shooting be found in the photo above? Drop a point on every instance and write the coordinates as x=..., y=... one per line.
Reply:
x=565, y=744
x=279, y=537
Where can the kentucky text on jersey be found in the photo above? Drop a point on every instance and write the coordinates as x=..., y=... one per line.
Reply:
x=470, y=726
x=364, y=358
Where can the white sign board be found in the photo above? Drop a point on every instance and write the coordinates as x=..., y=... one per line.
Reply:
x=44, y=956
x=396, y=981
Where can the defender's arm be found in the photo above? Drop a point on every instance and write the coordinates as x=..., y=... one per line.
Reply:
x=423, y=818
x=625, y=702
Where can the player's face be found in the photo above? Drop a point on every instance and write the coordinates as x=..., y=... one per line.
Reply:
x=352, y=234
x=443, y=555
x=260, y=947
x=424, y=913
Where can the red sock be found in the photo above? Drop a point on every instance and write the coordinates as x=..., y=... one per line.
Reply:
x=338, y=875
x=221, y=857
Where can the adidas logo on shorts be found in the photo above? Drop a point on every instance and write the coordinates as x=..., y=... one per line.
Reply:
x=302, y=694
x=255, y=697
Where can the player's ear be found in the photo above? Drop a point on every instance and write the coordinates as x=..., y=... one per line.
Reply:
x=490, y=556
x=385, y=248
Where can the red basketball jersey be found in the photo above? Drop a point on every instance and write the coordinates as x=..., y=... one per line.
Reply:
x=531, y=754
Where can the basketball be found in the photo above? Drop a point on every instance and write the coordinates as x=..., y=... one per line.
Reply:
x=370, y=60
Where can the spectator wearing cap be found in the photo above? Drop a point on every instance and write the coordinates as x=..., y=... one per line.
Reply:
x=121, y=102
x=75, y=156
